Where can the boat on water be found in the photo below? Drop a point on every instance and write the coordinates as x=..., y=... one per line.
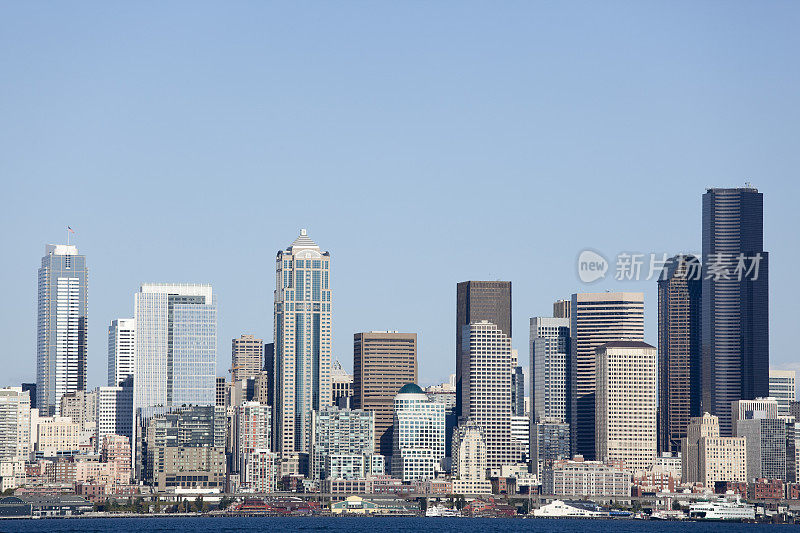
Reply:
x=560, y=509
x=441, y=510
x=668, y=515
x=722, y=510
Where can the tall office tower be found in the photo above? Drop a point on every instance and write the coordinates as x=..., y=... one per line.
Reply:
x=418, y=436
x=678, y=349
x=121, y=350
x=735, y=310
x=625, y=406
x=549, y=443
x=341, y=386
x=782, y=388
x=114, y=408
x=176, y=346
x=349, y=432
x=252, y=431
x=302, y=346
x=486, y=389
x=31, y=390
x=517, y=391
x=15, y=424
x=561, y=308
x=476, y=301
x=247, y=354
x=383, y=362
x=596, y=318
x=61, y=345
x=765, y=437
x=549, y=351
x=707, y=458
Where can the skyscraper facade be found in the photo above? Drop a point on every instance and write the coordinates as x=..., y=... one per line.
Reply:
x=625, y=404
x=486, y=389
x=383, y=362
x=476, y=301
x=246, y=357
x=302, y=345
x=418, y=437
x=176, y=345
x=596, y=318
x=61, y=344
x=678, y=349
x=549, y=351
x=735, y=302
x=782, y=388
x=121, y=350
x=343, y=432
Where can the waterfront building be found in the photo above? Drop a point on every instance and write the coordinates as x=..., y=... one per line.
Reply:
x=345, y=432
x=121, y=350
x=302, y=355
x=735, y=308
x=261, y=471
x=626, y=404
x=596, y=318
x=62, y=327
x=383, y=361
x=707, y=457
x=678, y=349
x=253, y=430
x=418, y=438
x=578, y=478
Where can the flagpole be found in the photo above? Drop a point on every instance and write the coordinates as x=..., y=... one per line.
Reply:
x=67, y=235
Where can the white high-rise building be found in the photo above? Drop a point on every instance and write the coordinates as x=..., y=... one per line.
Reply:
x=303, y=361
x=15, y=424
x=486, y=389
x=114, y=408
x=62, y=326
x=176, y=345
x=253, y=431
x=626, y=404
x=782, y=388
x=121, y=350
x=469, y=460
x=418, y=446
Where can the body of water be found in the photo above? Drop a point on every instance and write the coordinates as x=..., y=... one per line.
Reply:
x=367, y=525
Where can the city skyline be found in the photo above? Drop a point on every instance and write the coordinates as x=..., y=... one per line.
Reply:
x=391, y=147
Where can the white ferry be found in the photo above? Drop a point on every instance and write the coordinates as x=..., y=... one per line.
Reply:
x=440, y=510
x=722, y=510
x=560, y=509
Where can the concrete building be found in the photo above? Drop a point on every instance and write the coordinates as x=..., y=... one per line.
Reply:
x=340, y=432
x=596, y=318
x=735, y=295
x=253, y=431
x=486, y=389
x=678, y=349
x=15, y=424
x=302, y=347
x=116, y=449
x=707, y=457
x=196, y=467
x=520, y=436
x=114, y=408
x=247, y=354
x=62, y=328
x=418, y=437
x=562, y=308
x=261, y=471
x=782, y=388
x=469, y=460
x=341, y=386
x=626, y=404
x=57, y=435
x=121, y=350
x=477, y=301
x=383, y=361
x=579, y=479
x=765, y=437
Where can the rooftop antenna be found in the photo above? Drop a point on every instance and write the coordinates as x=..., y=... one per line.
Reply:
x=748, y=185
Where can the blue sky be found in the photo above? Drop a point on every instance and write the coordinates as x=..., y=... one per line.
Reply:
x=422, y=143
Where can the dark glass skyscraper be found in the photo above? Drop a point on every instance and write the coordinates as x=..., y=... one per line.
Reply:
x=679, y=289
x=735, y=302
x=476, y=301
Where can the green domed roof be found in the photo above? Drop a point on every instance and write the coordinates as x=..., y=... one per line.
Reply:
x=411, y=388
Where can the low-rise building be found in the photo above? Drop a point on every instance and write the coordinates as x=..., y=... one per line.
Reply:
x=578, y=478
